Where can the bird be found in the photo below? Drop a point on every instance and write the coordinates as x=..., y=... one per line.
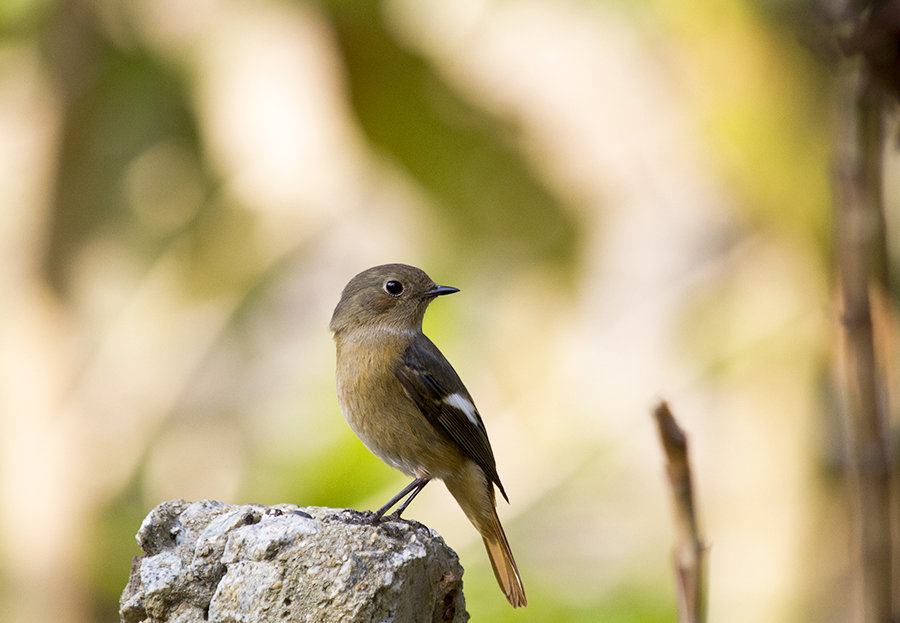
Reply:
x=408, y=406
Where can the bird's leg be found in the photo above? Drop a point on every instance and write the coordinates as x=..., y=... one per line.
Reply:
x=409, y=498
x=411, y=490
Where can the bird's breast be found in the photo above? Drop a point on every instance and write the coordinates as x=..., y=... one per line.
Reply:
x=384, y=417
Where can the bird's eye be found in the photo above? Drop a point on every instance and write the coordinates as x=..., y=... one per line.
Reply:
x=394, y=288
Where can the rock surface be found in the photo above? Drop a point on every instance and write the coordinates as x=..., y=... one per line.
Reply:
x=212, y=562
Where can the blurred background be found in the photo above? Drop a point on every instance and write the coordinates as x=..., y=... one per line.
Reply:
x=634, y=199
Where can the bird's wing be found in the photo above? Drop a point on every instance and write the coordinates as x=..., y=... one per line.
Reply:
x=436, y=389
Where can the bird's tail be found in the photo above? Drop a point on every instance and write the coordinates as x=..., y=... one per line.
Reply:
x=502, y=561
x=475, y=495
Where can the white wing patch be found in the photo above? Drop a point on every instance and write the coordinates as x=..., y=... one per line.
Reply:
x=462, y=403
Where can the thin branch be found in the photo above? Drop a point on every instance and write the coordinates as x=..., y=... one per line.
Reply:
x=689, y=555
x=860, y=224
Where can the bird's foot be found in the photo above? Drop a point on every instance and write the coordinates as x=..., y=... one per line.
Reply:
x=369, y=518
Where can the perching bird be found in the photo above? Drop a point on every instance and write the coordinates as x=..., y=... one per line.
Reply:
x=406, y=403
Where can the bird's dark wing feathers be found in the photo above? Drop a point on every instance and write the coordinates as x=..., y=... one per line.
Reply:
x=429, y=378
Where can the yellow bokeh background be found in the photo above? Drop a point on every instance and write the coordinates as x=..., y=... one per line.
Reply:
x=633, y=198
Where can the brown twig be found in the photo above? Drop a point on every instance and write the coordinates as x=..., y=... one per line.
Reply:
x=860, y=231
x=689, y=555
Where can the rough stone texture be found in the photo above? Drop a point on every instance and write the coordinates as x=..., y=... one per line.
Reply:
x=209, y=561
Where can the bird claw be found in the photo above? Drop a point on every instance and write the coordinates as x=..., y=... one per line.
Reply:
x=369, y=518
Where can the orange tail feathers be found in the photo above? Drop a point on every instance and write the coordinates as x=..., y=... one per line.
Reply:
x=504, y=564
x=475, y=495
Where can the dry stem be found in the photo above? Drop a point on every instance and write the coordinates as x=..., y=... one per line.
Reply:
x=689, y=555
x=860, y=226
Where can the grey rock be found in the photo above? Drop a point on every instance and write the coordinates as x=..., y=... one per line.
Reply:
x=212, y=562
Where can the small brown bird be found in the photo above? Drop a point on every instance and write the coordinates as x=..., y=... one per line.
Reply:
x=406, y=403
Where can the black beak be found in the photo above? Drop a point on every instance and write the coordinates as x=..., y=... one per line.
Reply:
x=441, y=290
